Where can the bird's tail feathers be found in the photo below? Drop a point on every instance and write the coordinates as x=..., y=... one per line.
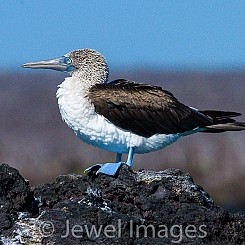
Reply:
x=223, y=121
x=218, y=128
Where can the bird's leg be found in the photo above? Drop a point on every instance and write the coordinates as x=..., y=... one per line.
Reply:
x=129, y=162
x=118, y=157
x=112, y=168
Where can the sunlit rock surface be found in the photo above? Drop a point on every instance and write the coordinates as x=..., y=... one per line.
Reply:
x=143, y=207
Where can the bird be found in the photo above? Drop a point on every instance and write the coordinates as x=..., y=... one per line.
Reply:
x=122, y=116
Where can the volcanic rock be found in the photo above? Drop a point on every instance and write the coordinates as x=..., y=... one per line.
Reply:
x=142, y=207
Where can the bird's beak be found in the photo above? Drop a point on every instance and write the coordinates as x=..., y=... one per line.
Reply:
x=58, y=64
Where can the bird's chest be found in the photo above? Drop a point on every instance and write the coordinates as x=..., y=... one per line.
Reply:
x=76, y=110
x=79, y=114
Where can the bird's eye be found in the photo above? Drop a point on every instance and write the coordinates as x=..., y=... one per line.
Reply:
x=67, y=60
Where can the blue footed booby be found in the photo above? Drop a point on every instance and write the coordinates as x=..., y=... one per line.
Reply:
x=122, y=116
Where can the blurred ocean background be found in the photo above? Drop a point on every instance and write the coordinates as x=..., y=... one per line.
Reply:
x=195, y=49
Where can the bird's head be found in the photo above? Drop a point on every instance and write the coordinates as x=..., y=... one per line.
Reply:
x=86, y=64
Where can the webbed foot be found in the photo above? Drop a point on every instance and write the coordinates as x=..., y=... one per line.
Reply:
x=106, y=168
x=112, y=168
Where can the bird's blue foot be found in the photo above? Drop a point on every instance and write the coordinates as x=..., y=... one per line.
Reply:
x=112, y=168
x=106, y=168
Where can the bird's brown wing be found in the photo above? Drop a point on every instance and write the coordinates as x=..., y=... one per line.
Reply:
x=144, y=109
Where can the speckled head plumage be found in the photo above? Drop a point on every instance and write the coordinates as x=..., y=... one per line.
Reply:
x=87, y=65
x=81, y=57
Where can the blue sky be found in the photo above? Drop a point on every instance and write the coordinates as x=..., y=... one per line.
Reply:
x=139, y=33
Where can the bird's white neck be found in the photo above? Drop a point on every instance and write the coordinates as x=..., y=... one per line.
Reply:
x=73, y=102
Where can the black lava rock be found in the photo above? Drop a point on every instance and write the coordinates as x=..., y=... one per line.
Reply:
x=143, y=207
